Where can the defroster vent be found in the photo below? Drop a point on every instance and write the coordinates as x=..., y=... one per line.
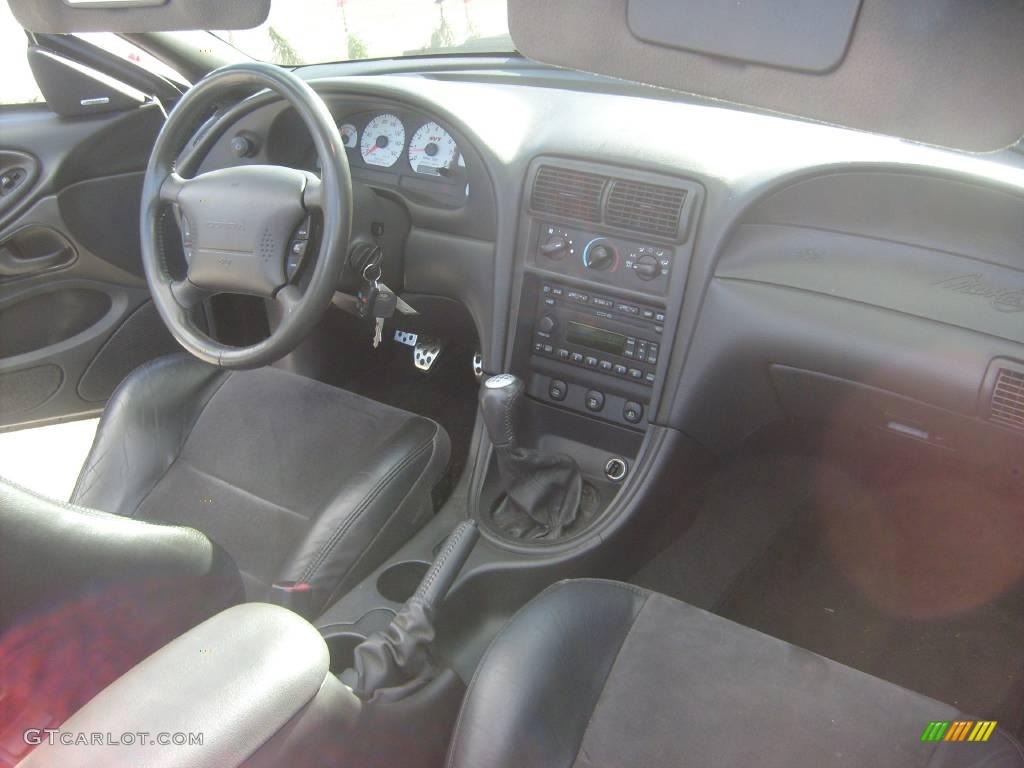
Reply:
x=645, y=208
x=564, y=192
x=1008, y=399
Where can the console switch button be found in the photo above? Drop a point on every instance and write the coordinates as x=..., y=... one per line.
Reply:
x=557, y=389
x=633, y=412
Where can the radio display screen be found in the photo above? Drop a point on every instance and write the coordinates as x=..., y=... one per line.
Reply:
x=596, y=338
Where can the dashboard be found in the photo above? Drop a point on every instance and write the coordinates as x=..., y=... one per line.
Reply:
x=859, y=275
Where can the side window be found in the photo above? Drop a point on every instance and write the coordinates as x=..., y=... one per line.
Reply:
x=17, y=85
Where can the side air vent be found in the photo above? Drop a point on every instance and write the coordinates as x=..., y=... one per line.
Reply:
x=645, y=208
x=568, y=193
x=1008, y=399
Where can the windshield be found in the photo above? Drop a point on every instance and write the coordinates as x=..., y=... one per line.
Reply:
x=312, y=31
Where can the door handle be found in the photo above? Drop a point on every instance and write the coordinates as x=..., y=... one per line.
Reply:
x=32, y=250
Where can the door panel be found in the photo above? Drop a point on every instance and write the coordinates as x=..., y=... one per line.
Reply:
x=75, y=315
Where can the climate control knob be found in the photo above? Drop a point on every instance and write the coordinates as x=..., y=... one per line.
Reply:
x=647, y=267
x=547, y=324
x=600, y=255
x=555, y=247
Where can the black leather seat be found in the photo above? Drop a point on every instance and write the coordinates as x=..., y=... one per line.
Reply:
x=296, y=480
x=597, y=674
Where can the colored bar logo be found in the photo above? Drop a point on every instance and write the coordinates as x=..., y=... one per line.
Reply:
x=959, y=730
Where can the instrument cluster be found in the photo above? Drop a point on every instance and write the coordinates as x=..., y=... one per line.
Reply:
x=386, y=140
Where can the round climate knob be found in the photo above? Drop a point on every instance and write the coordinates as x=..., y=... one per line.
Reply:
x=647, y=267
x=546, y=324
x=555, y=247
x=600, y=256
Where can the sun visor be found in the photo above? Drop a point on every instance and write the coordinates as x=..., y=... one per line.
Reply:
x=943, y=72
x=63, y=16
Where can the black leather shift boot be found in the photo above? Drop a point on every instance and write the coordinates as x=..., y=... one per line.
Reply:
x=542, y=493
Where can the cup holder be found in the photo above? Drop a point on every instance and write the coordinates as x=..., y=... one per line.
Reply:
x=398, y=582
x=342, y=649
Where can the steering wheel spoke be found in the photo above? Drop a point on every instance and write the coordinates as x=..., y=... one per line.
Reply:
x=288, y=298
x=187, y=294
x=312, y=193
x=171, y=187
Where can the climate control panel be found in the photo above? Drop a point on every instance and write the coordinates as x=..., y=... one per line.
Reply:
x=612, y=260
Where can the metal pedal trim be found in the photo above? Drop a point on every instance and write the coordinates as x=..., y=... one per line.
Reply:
x=426, y=352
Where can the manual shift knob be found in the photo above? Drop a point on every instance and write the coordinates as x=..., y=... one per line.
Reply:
x=501, y=399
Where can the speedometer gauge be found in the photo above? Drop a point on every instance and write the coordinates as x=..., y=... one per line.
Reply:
x=383, y=140
x=432, y=150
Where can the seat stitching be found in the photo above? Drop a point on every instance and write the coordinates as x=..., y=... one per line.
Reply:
x=367, y=500
x=181, y=445
x=240, y=489
x=604, y=687
x=369, y=546
x=450, y=762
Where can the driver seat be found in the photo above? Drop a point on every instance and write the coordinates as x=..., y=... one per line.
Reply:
x=296, y=480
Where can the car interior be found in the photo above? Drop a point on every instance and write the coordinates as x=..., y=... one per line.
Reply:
x=639, y=385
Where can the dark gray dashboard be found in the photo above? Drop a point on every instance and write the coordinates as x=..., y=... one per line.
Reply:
x=823, y=262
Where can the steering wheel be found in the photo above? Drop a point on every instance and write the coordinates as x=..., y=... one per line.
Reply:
x=238, y=223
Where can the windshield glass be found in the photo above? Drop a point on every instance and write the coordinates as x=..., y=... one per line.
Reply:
x=312, y=31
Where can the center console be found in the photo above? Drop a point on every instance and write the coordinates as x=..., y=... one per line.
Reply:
x=602, y=263
x=605, y=253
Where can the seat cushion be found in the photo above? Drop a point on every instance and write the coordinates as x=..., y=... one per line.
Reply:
x=597, y=674
x=295, y=479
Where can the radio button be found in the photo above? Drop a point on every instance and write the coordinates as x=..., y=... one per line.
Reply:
x=563, y=354
x=636, y=373
x=548, y=349
x=594, y=401
x=597, y=301
x=576, y=357
x=557, y=291
x=621, y=370
x=577, y=296
x=591, y=362
x=649, y=378
x=605, y=365
x=659, y=317
x=557, y=389
x=628, y=309
x=648, y=314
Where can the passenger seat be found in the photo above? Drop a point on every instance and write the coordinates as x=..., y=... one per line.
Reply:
x=598, y=674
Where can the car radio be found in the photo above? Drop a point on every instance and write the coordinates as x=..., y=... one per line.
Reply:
x=614, y=337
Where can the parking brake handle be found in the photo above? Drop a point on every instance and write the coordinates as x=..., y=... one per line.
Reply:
x=394, y=663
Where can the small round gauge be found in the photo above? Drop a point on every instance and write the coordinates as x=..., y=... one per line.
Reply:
x=432, y=150
x=383, y=140
x=349, y=135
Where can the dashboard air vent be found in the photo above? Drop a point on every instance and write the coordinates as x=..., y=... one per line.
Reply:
x=1008, y=399
x=647, y=208
x=568, y=193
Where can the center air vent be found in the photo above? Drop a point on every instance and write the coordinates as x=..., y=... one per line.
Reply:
x=645, y=207
x=1008, y=399
x=652, y=209
x=568, y=193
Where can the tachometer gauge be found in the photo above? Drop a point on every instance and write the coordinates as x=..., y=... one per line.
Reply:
x=383, y=140
x=349, y=135
x=432, y=150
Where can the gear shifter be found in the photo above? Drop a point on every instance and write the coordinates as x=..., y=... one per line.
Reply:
x=542, y=491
